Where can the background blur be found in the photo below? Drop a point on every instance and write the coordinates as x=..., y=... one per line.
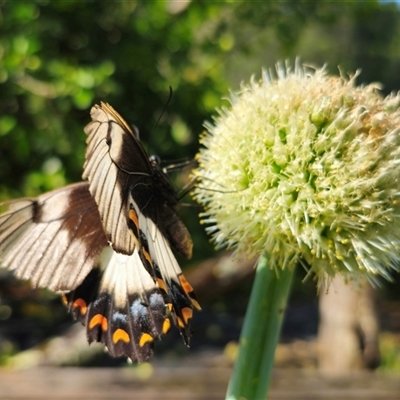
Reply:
x=58, y=58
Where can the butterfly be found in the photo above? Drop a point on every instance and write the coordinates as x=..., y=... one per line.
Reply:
x=105, y=243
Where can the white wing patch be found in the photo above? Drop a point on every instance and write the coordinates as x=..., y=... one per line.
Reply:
x=102, y=174
x=160, y=250
x=124, y=275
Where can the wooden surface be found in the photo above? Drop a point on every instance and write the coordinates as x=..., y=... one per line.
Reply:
x=184, y=383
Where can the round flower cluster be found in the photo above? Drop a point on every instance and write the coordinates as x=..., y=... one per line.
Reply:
x=305, y=167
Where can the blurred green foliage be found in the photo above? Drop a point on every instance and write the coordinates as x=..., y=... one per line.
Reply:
x=58, y=58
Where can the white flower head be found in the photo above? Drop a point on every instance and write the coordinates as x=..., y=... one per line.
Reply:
x=305, y=167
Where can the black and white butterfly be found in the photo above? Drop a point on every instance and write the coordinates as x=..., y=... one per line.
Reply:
x=106, y=243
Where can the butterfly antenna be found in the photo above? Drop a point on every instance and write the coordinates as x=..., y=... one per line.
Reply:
x=179, y=165
x=163, y=110
x=159, y=118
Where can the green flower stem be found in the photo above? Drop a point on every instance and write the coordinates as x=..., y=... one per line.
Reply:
x=260, y=333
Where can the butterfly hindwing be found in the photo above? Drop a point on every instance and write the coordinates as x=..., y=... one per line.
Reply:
x=178, y=292
x=121, y=306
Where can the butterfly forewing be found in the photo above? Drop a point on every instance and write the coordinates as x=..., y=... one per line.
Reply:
x=53, y=240
x=114, y=159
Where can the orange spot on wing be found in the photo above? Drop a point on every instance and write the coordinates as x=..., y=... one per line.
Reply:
x=120, y=334
x=195, y=303
x=187, y=314
x=161, y=284
x=147, y=256
x=81, y=304
x=180, y=322
x=145, y=338
x=64, y=299
x=166, y=326
x=134, y=218
x=99, y=319
x=187, y=287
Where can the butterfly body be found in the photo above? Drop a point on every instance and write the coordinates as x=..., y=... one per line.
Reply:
x=106, y=243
